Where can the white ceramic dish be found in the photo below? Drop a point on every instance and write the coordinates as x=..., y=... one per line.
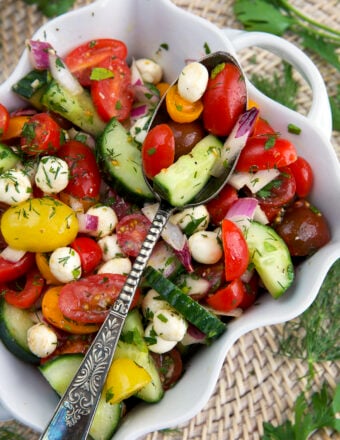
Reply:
x=144, y=25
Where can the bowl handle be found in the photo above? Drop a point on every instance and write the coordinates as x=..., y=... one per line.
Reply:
x=320, y=111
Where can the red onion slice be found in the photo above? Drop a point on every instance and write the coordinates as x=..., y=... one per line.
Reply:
x=87, y=222
x=38, y=51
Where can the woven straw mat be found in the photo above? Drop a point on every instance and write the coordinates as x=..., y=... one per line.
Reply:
x=255, y=384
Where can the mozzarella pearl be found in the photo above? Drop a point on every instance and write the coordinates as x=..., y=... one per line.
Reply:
x=15, y=187
x=156, y=343
x=149, y=70
x=152, y=303
x=140, y=128
x=197, y=214
x=192, y=81
x=110, y=247
x=107, y=220
x=65, y=264
x=205, y=247
x=169, y=325
x=117, y=265
x=41, y=340
x=52, y=175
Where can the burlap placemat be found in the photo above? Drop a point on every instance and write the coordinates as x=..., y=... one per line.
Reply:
x=255, y=384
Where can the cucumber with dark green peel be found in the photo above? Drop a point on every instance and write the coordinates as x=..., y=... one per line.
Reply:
x=8, y=159
x=190, y=309
x=14, y=323
x=32, y=86
x=59, y=372
x=271, y=258
x=121, y=161
x=78, y=109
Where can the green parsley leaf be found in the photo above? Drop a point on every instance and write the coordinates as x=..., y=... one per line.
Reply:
x=52, y=8
x=99, y=73
x=335, y=106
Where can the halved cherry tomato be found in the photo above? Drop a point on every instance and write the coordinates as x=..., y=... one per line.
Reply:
x=113, y=96
x=235, y=248
x=262, y=128
x=224, y=99
x=303, y=175
x=41, y=260
x=262, y=153
x=227, y=298
x=219, y=205
x=10, y=271
x=88, y=300
x=4, y=120
x=41, y=135
x=85, y=57
x=179, y=109
x=15, y=126
x=89, y=251
x=84, y=172
x=70, y=344
x=158, y=150
x=131, y=231
x=162, y=88
x=169, y=366
x=26, y=297
x=279, y=191
x=52, y=313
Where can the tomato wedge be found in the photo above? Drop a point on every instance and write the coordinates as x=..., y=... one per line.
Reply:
x=227, y=298
x=10, y=271
x=219, y=205
x=89, y=251
x=113, y=96
x=303, y=175
x=89, y=299
x=85, y=57
x=236, y=253
x=158, y=150
x=4, y=120
x=25, y=298
x=131, y=232
x=262, y=153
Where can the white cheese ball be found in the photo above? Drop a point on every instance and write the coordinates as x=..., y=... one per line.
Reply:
x=110, y=247
x=15, y=187
x=169, y=325
x=107, y=220
x=119, y=265
x=41, y=340
x=205, y=247
x=197, y=215
x=52, y=175
x=156, y=343
x=140, y=128
x=65, y=264
x=152, y=303
x=192, y=81
x=150, y=71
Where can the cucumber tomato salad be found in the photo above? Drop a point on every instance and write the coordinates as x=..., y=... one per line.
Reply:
x=75, y=209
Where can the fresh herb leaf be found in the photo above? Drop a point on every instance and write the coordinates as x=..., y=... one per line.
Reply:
x=323, y=47
x=335, y=106
x=281, y=88
x=319, y=412
x=51, y=8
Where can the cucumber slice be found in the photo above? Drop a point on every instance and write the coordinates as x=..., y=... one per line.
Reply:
x=8, y=159
x=153, y=392
x=14, y=324
x=183, y=180
x=121, y=161
x=59, y=372
x=79, y=109
x=32, y=86
x=190, y=309
x=271, y=258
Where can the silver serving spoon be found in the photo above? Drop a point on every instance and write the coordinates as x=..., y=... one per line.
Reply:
x=74, y=414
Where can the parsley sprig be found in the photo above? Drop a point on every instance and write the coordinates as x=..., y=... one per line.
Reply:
x=51, y=8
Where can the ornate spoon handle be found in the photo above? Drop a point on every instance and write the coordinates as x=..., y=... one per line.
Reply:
x=75, y=411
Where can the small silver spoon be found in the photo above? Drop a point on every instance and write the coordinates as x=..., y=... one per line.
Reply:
x=74, y=414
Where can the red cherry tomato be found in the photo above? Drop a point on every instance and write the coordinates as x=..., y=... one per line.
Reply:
x=158, y=150
x=113, y=96
x=84, y=58
x=131, y=231
x=262, y=127
x=227, y=298
x=279, y=191
x=4, y=120
x=84, y=172
x=26, y=297
x=89, y=251
x=88, y=300
x=264, y=152
x=224, y=99
x=10, y=271
x=303, y=175
x=236, y=253
x=219, y=205
x=170, y=367
x=41, y=135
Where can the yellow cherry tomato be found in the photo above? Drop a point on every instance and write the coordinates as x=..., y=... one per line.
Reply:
x=39, y=225
x=15, y=127
x=124, y=379
x=181, y=110
x=52, y=313
x=162, y=88
x=41, y=260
